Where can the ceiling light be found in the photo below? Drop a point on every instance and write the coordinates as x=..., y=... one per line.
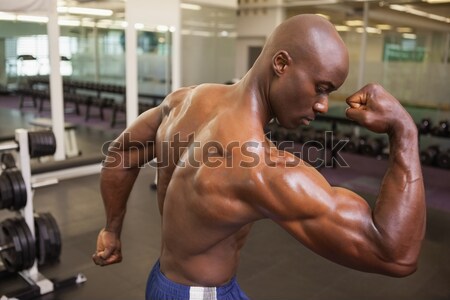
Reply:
x=354, y=23
x=404, y=29
x=409, y=9
x=436, y=1
x=342, y=28
x=384, y=26
x=7, y=16
x=368, y=30
x=85, y=11
x=66, y=22
x=190, y=6
x=410, y=36
x=162, y=28
x=34, y=19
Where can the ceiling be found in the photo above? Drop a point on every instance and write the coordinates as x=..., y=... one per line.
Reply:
x=340, y=10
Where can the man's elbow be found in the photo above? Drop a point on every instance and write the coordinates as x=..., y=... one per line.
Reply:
x=401, y=268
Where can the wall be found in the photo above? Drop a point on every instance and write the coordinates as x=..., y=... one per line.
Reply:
x=209, y=45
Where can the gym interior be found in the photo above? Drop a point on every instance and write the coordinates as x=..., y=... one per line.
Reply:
x=86, y=69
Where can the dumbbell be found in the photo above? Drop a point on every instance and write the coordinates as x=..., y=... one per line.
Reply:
x=425, y=126
x=336, y=138
x=442, y=129
x=354, y=143
x=443, y=159
x=372, y=146
x=40, y=143
x=429, y=155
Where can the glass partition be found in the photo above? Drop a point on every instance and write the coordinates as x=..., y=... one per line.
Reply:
x=208, y=41
x=407, y=53
x=154, y=61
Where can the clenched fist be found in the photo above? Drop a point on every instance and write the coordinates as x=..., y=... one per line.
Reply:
x=377, y=110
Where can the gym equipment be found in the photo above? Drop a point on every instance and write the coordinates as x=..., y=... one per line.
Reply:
x=372, y=146
x=442, y=129
x=13, y=192
x=429, y=155
x=353, y=143
x=307, y=134
x=280, y=134
x=425, y=126
x=48, y=238
x=7, y=160
x=40, y=143
x=319, y=137
x=18, y=249
x=293, y=135
x=443, y=159
x=18, y=246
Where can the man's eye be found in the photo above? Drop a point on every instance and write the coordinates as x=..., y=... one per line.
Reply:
x=321, y=90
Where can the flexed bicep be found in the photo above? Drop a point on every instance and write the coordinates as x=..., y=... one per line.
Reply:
x=336, y=223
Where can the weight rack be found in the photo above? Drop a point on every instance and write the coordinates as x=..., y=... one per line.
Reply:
x=38, y=284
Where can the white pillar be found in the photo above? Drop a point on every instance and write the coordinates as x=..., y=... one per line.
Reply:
x=176, y=54
x=362, y=57
x=96, y=54
x=56, y=89
x=150, y=14
x=131, y=97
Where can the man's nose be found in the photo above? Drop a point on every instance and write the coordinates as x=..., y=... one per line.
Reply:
x=321, y=106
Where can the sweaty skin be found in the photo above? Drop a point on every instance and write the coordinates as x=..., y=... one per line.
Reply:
x=218, y=173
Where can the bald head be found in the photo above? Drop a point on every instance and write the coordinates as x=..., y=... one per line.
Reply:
x=303, y=35
x=309, y=38
x=302, y=62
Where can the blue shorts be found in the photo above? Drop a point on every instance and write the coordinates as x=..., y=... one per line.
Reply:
x=159, y=287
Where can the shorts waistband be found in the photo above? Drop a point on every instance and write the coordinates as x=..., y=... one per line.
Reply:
x=189, y=292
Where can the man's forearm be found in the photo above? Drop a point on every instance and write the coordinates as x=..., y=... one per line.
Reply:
x=116, y=185
x=399, y=215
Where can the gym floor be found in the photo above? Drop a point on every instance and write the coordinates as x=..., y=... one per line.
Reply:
x=273, y=264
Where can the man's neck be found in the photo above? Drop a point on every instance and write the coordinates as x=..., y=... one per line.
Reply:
x=254, y=90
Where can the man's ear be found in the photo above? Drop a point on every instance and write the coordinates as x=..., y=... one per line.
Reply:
x=280, y=61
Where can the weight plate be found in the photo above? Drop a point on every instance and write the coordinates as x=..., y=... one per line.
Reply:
x=57, y=233
x=51, y=235
x=55, y=238
x=12, y=258
x=43, y=245
x=23, y=243
x=6, y=194
x=19, y=187
x=41, y=143
x=31, y=246
x=12, y=188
